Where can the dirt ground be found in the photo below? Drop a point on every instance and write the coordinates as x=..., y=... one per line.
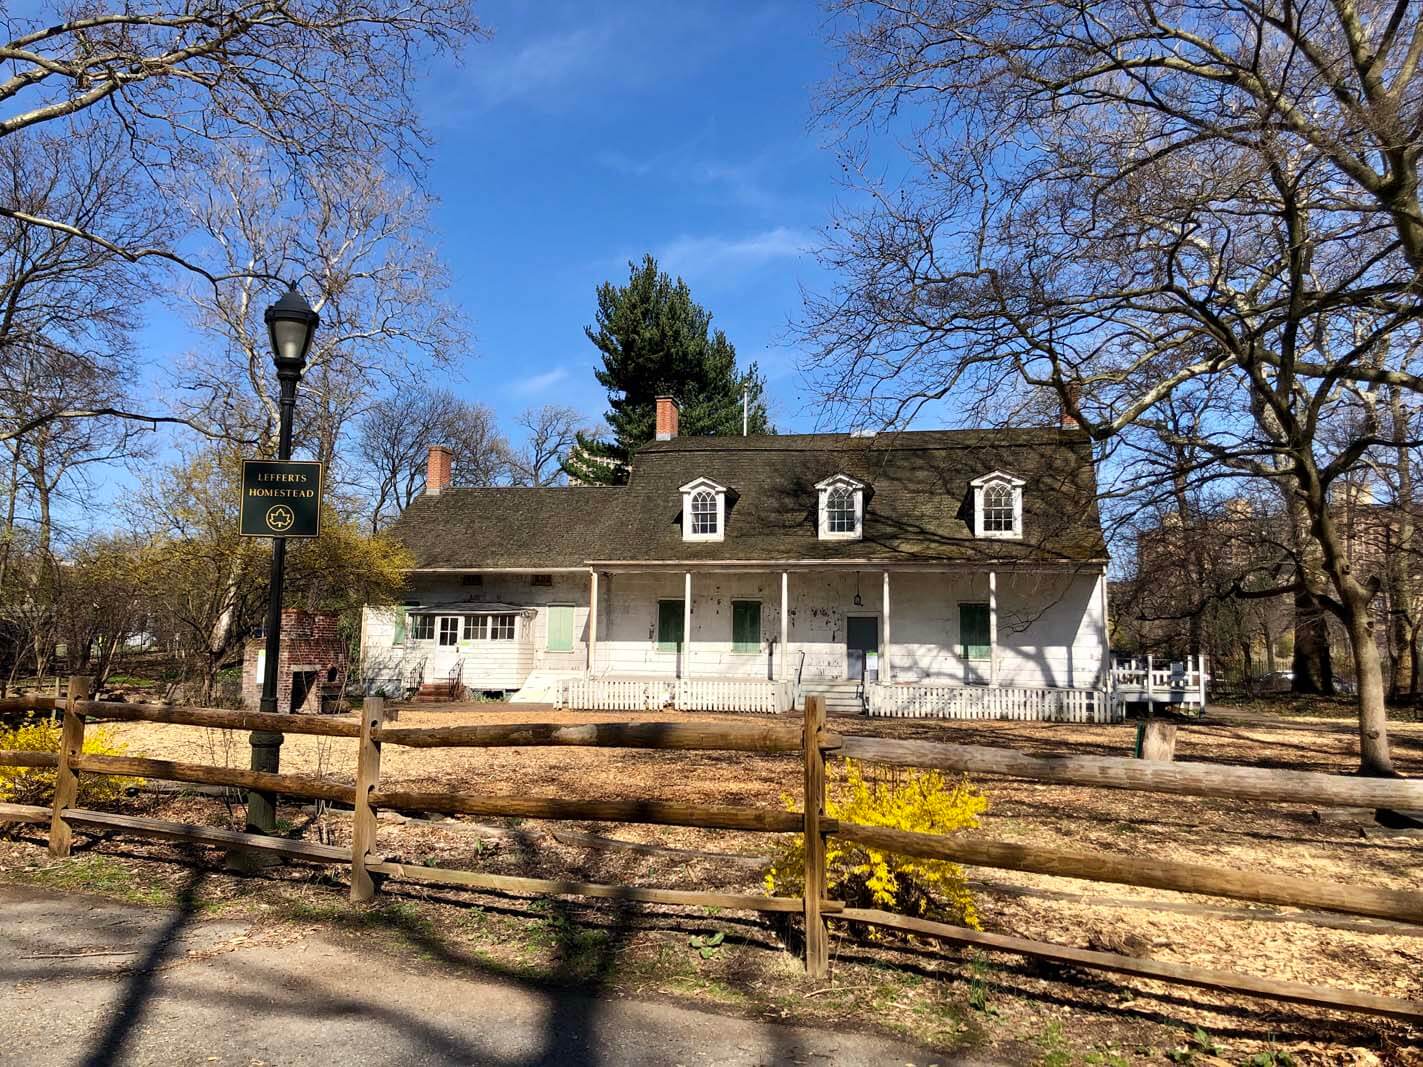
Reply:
x=954, y=999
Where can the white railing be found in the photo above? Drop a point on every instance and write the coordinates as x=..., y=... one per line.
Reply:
x=688, y=694
x=990, y=702
x=1137, y=679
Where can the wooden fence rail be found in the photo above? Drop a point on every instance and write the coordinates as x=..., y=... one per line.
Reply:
x=813, y=742
x=1112, y=772
x=1234, y=883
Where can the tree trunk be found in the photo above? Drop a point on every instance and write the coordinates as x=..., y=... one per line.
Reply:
x=1374, y=757
x=1313, y=665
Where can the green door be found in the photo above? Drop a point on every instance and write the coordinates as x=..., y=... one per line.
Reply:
x=669, y=626
x=746, y=626
x=973, y=631
x=560, y=628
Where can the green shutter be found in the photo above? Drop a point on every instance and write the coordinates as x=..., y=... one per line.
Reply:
x=560, y=628
x=745, y=626
x=669, y=625
x=397, y=636
x=973, y=631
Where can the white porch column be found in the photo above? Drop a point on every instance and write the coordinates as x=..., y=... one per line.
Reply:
x=1106, y=638
x=687, y=627
x=884, y=672
x=785, y=671
x=992, y=627
x=592, y=621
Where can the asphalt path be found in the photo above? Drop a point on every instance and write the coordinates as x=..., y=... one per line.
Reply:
x=91, y=981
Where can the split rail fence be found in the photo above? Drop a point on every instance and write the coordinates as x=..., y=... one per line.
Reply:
x=812, y=742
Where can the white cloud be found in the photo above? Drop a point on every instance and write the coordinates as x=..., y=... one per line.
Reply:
x=702, y=255
x=537, y=383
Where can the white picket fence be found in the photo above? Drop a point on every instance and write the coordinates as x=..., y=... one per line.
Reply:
x=1139, y=679
x=684, y=694
x=990, y=702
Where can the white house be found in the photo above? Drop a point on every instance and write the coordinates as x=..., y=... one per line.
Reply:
x=952, y=573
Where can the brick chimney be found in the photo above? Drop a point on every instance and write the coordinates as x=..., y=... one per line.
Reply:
x=666, y=418
x=1071, y=392
x=437, y=469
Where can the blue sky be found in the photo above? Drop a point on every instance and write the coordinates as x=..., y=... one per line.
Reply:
x=581, y=136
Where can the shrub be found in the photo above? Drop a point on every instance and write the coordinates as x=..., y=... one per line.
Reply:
x=865, y=877
x=35, y=785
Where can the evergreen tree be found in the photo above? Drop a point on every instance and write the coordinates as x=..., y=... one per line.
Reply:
x=656, y=340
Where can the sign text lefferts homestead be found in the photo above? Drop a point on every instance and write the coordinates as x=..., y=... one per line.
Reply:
x=281, y=498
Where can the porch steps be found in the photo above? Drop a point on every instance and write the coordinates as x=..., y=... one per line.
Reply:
x=841, y=698
x=434, y=693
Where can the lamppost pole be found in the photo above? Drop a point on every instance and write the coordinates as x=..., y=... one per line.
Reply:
x=291, y=323
x=266, y=744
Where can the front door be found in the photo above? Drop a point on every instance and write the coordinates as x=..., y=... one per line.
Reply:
x=861, y=637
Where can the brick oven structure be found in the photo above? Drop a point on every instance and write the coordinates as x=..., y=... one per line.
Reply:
x=311, y=671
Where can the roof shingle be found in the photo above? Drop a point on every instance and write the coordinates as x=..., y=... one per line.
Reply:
x=918, y=505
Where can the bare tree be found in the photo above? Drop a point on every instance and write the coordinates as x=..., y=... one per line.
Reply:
x=314, y=91
x=323, y=85
x=393, y=443
x=1122, y=209
x=550, y=432
x=358, y=245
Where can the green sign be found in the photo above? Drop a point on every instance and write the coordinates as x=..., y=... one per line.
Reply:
x=281, y=498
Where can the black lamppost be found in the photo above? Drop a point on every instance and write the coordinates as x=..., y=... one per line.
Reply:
x=291, y=323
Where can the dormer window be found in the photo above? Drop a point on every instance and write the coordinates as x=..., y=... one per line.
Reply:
x=842, y=508
x=703, y=510
x=998, y=506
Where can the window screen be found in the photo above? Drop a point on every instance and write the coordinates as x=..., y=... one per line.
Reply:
x=669, y=625
x=560, y=628
x=745, y=626
x=973, y=631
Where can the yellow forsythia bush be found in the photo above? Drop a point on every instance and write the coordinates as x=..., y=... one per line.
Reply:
x=35, y=785
x=862, y=877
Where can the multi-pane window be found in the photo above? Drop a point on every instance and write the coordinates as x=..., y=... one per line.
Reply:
x=704, y=512
x=449, y=630
x=840, y=510
x=422, y=627
x=489, y=627
x=999, y=510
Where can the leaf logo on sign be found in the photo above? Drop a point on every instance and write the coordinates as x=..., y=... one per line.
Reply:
x=280, y=518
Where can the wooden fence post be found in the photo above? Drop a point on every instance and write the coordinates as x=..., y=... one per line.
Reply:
x=66, y=782
x=817, y=947
x=363, y=826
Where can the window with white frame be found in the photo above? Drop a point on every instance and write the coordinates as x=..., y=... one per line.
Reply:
x=704, y=517
x=703, y=510
x=842, y=506
x=501, y=627
x=840, y=511
x=422, y=627
x=998, y=506
x=449, y=630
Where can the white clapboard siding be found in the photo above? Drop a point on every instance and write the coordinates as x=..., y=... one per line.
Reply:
x=991, y=702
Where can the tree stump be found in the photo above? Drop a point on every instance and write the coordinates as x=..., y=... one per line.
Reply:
x=1158, y=739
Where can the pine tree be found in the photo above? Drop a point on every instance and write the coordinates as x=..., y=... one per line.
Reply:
x=656, y=340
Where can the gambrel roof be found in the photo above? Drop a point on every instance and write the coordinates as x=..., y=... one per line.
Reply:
x=917, y=504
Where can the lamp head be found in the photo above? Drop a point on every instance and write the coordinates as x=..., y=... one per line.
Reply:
x=291, y=323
